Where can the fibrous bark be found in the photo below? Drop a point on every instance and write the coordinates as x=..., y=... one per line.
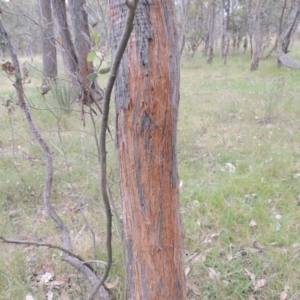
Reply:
x=147, y=96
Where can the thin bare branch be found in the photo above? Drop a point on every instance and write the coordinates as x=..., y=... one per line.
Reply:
x=48, y=155
x=102, y=140
x=74, y=261
x=47, y=245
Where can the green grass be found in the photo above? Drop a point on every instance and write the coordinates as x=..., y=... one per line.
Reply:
x=230, y=116
x=239, y=162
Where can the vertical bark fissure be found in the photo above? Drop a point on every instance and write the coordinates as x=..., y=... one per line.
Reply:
x=146, y=133
x=137, y=159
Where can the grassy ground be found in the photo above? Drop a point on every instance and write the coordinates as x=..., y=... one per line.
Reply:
x=239, y=166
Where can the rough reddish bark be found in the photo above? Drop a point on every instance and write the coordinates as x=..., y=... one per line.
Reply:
x=147, y=97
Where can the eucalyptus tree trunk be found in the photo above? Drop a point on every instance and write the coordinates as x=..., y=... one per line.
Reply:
x=225, y=29
x=212, y=16
x=147, y=99
x=82, y=39
x=65, y=40
x=184, y=9
x=256, y=37
x=49, y=48
x=250, y=24
x=286, y=39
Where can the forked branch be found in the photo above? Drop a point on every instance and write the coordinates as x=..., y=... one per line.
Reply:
x=74, y=261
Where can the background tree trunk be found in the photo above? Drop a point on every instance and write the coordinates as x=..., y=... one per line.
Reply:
x=65, y=40
x=147, y=98
x=212, y=15
x=184, y=10
x=257, y=38
x=82, y=39
x=250, y=24
x=288, y=34
x=225, y=11
x=49, y=48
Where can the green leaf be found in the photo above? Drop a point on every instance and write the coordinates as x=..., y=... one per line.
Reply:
x=91, y=56
x=104, y=70
x=92, y=76
x=95, y=35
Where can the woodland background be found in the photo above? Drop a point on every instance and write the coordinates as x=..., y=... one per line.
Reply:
x=238, y=149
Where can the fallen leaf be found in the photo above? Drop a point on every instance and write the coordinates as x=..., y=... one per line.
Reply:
x=278, y=226
x=180, y=184
x=250, y=196
x=277, y=216
x=201, y=257
x=187, y=271
x=50, y=295
x=251, y=275
x=209, y=238
x=244, y=251
x=258, y=246
x=213, y=275
x=230, y=167
x=194, y=289
x=112, y=285
x=45, y=278
x=64, y=295
x=13, y=213
x=57, y=282
x=226, y=283
x=282, y=250
x=259, y=284
x=229, y=256
x=284, y=293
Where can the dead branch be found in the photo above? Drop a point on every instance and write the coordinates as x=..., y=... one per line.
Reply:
x=287, y=61
x=49, y=172
x=47, y=245
x=48, y=155
x=102, y=139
